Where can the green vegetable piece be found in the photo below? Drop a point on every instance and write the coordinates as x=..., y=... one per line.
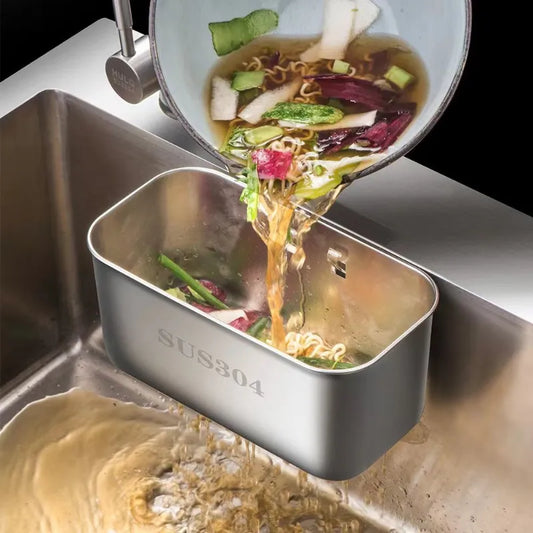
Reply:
x=177, y=294
x=312, y=187
x=258, y=326
x=262, y=134
x=230, y=35
x=400, y=77
x=240, y=141
x=345, y=170
x=245, y=97
x=181, y=274
x=196, y=297
x=304, y=113
x=234, y=139
x=235, y=146
x=342, y=154
x=319, y=170
x=250, y=194
x=335, y=102
x=340, y=67
x=243, y=80
x=325, y=363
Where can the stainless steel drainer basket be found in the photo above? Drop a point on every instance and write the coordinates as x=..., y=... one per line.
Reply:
x=331, y=423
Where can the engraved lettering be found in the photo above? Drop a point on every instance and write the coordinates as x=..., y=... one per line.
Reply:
x=205, y=359
x=239, y=377
x=256, y=387
x=165, y=338
x=121, y=79
x=182, y=349
x=208, y=361
x=222, y=368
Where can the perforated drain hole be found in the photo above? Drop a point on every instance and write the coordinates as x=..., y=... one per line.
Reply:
x=337, y=258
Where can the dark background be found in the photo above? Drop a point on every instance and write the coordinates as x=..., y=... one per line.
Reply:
x=472, y=142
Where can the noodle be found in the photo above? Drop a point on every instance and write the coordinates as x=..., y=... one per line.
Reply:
x=312, y=345
x=278, y=210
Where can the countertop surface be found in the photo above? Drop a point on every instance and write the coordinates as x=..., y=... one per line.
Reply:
x=449, y=230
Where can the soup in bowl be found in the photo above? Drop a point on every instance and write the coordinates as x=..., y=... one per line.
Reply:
x=431, y=38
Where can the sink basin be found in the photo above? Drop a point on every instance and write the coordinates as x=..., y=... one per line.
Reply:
x=62, y=163
x=466, y=467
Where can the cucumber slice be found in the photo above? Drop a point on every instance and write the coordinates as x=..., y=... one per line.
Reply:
x=246, y=97
x=356, y=120
x=230, y=35
x=305, y=113
x=262, y=134
x=244, y=80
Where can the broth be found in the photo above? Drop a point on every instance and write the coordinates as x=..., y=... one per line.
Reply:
x=323, y=159
x=406, y=58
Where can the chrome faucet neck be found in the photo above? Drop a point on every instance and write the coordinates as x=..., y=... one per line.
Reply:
x=124, y=21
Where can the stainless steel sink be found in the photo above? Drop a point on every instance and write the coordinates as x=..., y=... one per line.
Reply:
x=468, y=466
x=62, y=163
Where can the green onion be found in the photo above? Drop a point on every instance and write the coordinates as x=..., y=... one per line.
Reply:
x=339, y=67
x=258, y=326
x=196, y=297
x=205, y=293
x=250, y=194
x=400, y=77
x=319, y=170
x=325, y=363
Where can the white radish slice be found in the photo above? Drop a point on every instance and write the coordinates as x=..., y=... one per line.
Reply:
x=228, y=315
x=365, y=15
x=224, y=99
x=312, y=54
x=355, y=120
x=253, y=112
x=337, y=31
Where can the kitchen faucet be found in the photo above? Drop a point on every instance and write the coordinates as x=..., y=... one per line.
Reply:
x=130, y=71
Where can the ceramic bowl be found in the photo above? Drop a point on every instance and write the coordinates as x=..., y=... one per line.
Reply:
x=439, y=30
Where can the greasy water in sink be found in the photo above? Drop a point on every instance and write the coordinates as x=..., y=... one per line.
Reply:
x=82, y=462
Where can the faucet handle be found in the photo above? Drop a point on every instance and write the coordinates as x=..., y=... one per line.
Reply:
x=130, y=71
